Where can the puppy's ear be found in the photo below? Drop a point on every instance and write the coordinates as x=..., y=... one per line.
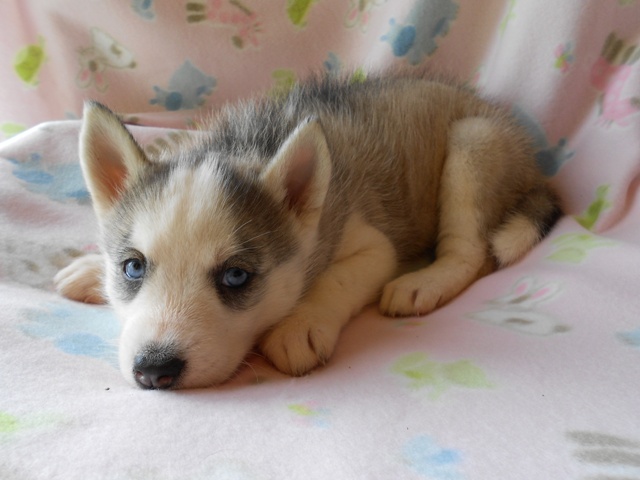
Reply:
x=300, y=172
x=110, y=157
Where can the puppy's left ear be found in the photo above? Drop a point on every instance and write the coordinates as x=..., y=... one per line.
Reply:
x=110, y=157
x=300, y=172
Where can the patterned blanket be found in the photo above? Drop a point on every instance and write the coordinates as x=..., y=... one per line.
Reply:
x=533, y=373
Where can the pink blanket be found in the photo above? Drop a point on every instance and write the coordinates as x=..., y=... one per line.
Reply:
x=533, y=373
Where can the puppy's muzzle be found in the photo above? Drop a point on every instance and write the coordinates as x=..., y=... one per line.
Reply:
x=157, y=368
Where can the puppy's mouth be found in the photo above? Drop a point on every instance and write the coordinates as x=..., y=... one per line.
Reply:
x=158, y=367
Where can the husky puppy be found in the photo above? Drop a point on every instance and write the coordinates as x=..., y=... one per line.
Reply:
x=292, y=214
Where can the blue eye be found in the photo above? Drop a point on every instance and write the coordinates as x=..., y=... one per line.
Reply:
x=134, y=269
x=234, y=277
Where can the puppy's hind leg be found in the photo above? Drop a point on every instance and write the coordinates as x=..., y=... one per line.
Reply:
x=462, y=251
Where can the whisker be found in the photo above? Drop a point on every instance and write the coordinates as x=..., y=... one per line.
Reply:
x=255, y=372
x=235, y=230
x=257, y=236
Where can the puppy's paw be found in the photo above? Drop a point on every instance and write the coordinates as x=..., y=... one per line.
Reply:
x=416, y=293
x=299, y=343
x=82, y=280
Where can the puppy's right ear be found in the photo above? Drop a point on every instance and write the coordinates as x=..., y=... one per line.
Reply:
x=110, y=157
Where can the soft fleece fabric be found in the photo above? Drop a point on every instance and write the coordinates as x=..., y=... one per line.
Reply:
x=533, y=373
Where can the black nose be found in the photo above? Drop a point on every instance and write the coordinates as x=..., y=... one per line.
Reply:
x=157, y=369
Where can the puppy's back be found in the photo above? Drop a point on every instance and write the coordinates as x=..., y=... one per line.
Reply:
x=388, y=136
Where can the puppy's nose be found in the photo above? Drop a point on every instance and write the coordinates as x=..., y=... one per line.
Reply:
x=155, y=370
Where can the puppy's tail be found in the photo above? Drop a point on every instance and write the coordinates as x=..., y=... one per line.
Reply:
x=525, y=226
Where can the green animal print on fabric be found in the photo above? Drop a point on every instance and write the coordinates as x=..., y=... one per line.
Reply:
x=301, y=409
x=510, y=15
x=28, y=62
x=359, y=76
x=574, y=247
x=8, y=423
x=590, y=216
x=423, y=373
x=310, y=414
x=298, y=10
x=12, y=425
x=283, y=82
x=10, y=129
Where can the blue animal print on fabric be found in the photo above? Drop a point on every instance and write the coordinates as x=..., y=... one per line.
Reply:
x=76, y=329
x=550, y=158
x=332, y=64
x=144, y=8
x=631, y=338
x=415, y=38
x=59, y=182
x=187, y=88
x=428, y=459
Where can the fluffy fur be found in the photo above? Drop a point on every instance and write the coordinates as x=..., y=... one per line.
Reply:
x=291, y=214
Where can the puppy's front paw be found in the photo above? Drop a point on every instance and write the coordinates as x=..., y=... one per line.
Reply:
x=299, y=343
x=416, y=293
x=82, y=280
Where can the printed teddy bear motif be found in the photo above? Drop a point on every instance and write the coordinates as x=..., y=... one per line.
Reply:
x=518, y=309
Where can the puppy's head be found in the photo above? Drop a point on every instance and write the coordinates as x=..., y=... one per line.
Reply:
x=204, y=252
